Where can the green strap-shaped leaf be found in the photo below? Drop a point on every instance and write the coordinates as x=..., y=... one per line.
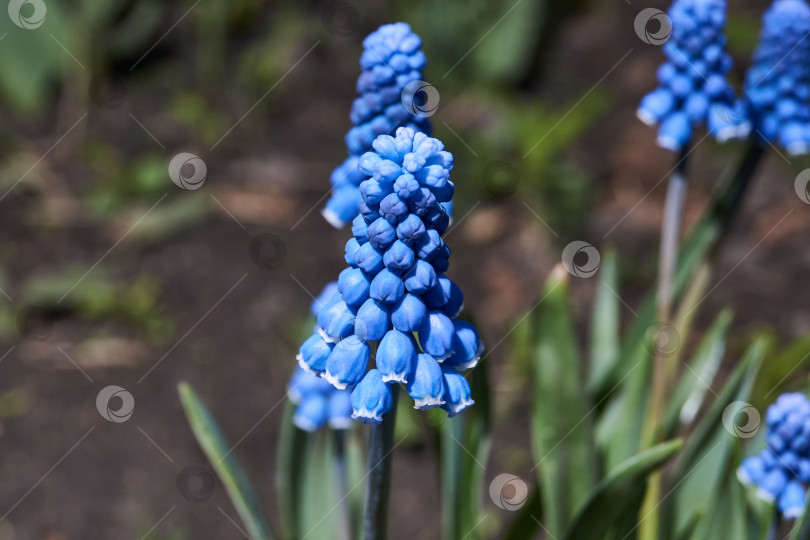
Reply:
x=465, y=445
x=702, y=467
x=605, y=323
x=561, y=423
x=697, y=377
x=608, y=503
x=293, y=446
x=224, y=462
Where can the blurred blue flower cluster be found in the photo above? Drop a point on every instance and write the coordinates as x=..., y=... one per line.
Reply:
x=318, y=403
x=781, y=471
x=391, y=59
x=693, y=89
x=395, y=295
x=777, y=87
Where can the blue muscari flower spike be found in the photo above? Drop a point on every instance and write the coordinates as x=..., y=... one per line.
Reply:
x=777, y=86
x=392, y=58
x=318, y=403
x=781, y=472
x=693, y=89
x=395, y=293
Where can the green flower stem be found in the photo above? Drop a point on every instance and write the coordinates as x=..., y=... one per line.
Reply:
x=670, y=231
x=380, y=453
x=718, y=221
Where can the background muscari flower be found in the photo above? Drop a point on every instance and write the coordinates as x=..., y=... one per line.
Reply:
x=781, y=471
x=394, y=294
x=777, y=86
x=693, y=89
x=318, y=403
x=392, y=58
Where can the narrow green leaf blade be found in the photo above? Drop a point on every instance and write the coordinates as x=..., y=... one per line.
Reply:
x=466, y=443
x=605, y=323
x=293, y=446
x=227, y=467
x=608, y=502
x=705, y=459
x=561, y=426
x=697, y=377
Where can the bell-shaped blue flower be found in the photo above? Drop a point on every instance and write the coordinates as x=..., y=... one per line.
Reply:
x=340, y=409
x=387, y=287
x=353, y=286
x=373, y=320
x=336, y=321
x=312, y=414
x=371, y=398
x=427, y=385
x=347, y=362
x=368, y=259
x=409, y=314
x=436, y=335
x=457, y=393
x=791, y=501
x=313, y=354
x=752, y=470
x=396, y=357
x=467, y=346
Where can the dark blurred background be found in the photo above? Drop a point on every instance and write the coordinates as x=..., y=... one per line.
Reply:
x=112, y=275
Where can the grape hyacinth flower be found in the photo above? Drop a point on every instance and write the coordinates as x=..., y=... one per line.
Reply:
x=693, y=89
x=392, y=58
x=777, y=86
x=781, y=472
x=394, y=296
x=318, y=403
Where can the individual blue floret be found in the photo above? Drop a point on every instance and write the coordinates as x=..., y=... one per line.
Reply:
x=777, y=86
x=693, y=89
